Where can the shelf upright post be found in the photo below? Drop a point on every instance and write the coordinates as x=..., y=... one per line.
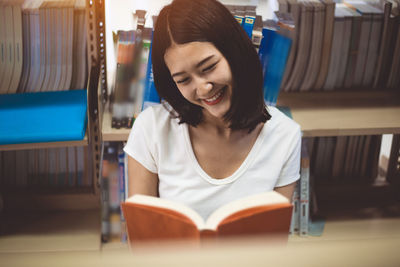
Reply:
x=95, y=22
x=304, y=188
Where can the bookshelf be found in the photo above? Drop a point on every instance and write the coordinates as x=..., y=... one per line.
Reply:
x=54, y=219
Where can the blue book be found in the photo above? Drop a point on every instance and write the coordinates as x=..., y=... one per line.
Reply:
x=274, y=51
x=43, y=117
x=122, y=189
x=150, y=95
x=264, y=51
x=248, y=24
x=239, y=14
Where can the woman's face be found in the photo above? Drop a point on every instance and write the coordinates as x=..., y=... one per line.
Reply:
x=202, y=75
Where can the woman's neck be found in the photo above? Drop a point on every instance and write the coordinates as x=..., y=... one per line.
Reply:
x=216, y=126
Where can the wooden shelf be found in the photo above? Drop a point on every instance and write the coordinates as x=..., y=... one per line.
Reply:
x=83, y=142
x=344, y=113
x=50, y=231
x=324, y=114
x=112, y=134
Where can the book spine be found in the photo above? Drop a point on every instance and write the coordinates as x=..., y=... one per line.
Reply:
x=257, y=32
x=126, y=175
x=71, y=166
x=330, y=7
x=62, y=179
x=17, y=20
x=144, y=62
x=111, y=218
x=9, y=49
x=295, y=221
x=265, y=48
x=304, y=189
x=105, y=211
x=122, y=196
x=239, y=14
x=80, y=165
x=114, y=188
x=21, y=175
x=276, y=67
x=385, y=42
x=248, y=23
x=52, y=167
x=128, y=49
x=150, y=96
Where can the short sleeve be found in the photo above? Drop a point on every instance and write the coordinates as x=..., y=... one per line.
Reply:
x=140, y=144
x=291, y=168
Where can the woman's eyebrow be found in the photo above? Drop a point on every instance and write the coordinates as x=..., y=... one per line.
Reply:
x=177, y=74
x=204, y=61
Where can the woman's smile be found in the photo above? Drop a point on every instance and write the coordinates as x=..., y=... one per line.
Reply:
x=215, y=99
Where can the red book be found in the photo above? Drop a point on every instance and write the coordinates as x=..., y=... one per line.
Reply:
x=152, y=219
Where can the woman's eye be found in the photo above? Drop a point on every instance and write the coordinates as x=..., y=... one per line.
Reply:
x=183, y=80
x=209, y=67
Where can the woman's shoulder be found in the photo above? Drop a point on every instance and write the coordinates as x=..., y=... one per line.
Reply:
x=156, y=116
x=153, y=111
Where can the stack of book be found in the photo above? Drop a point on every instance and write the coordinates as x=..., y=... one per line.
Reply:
x=45, y=168
x=354, y=44
x=345, y=159
x=43, y=46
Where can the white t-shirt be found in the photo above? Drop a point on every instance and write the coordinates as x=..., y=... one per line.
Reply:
x=163, y=146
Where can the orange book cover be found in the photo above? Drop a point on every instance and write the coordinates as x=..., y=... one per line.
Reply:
x=152, y=219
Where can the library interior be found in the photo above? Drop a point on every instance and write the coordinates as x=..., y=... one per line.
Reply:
x=75, y=74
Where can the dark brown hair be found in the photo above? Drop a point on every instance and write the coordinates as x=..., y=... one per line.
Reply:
x=209, y=21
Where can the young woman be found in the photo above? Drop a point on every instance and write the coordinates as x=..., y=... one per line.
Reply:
x=213, y=140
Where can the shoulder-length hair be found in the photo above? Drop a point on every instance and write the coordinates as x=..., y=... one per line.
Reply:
x=209, y=21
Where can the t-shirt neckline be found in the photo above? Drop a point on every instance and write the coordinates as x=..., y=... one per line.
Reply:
x=242, y=168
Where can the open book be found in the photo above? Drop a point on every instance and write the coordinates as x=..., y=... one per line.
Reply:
x=151, y=218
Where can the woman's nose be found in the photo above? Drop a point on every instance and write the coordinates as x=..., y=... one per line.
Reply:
x=203, y=87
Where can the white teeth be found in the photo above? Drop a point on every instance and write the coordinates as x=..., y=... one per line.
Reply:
x=214, y=97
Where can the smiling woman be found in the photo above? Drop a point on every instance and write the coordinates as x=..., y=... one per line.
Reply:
x=185, y=22
x=212, y=140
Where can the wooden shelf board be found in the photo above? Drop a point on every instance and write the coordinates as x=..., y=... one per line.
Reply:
x=380, y=252
x=50, y=231
x=344, y=113
x=83, y=142
x=112, y=134
x=324, y=114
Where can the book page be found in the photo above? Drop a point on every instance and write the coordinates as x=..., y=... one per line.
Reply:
x=168, y=204
x=267, y=198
